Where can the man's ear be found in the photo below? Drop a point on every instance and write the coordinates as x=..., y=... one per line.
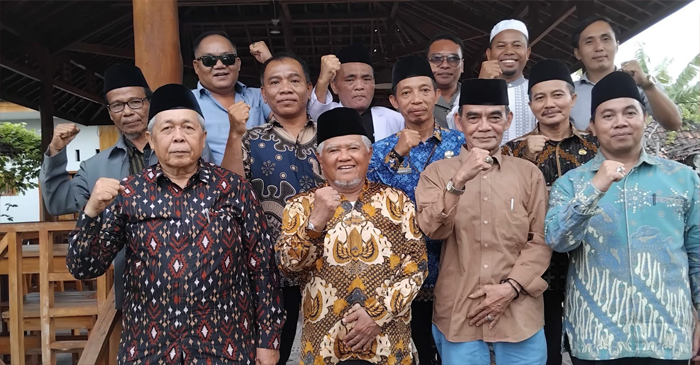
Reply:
x=577, y=54
x=394, y=102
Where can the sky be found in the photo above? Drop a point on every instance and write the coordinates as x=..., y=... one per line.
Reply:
x=676, y=36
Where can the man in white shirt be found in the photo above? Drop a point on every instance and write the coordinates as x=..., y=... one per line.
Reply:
x=351, y=76
x=506, y=59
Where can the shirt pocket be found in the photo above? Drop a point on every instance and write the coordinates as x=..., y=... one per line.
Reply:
x=514, y=223
x=667, y=205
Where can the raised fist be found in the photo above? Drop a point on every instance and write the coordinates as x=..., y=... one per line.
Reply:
x=103, y=194
x=62, y=135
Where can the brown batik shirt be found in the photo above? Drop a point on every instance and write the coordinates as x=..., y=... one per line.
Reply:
x=371, y=255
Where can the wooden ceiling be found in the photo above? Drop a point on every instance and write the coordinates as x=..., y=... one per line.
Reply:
x=73, y=42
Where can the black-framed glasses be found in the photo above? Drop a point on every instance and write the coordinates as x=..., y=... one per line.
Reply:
x=452, y=60
x=227, y=59
x=133, y=104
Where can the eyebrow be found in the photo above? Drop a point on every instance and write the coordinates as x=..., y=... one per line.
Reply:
x=496, y=113
x=473, y=114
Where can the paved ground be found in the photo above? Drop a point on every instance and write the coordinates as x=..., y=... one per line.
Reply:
x=293, y=358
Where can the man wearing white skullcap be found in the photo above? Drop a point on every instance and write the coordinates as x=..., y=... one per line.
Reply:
x=506, y=58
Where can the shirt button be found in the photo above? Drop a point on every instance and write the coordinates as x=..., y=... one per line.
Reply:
x=486, y=266
x=486, y=198
x=486, y=245
x=485, y=176
x=486, y=222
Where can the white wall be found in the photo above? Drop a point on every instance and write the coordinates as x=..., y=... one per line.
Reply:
x=28, y=205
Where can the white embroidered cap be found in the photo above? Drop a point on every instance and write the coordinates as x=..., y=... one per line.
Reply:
x=509, y=24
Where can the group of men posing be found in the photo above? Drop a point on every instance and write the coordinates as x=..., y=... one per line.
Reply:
x=229, y=208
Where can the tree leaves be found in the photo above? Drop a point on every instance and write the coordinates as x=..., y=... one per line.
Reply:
x=20, y=157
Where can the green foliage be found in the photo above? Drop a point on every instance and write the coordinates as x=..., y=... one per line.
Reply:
x=684, y=90
x=20, y=157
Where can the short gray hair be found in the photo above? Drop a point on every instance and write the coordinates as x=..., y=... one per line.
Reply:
x=365, y=140
x=152, y=123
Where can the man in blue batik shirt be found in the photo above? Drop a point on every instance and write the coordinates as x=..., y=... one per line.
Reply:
x=398, y=161
x=629, y=222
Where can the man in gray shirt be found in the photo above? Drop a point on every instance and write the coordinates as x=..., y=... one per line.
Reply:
x=445, y=54
x=595, y=45
x=128, y=102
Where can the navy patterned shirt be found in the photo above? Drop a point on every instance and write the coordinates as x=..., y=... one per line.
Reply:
x=201, y=284
x=404, y=175
x=279, y=167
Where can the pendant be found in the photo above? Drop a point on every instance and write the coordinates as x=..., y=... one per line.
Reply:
x=582, y=152
x=449, y=154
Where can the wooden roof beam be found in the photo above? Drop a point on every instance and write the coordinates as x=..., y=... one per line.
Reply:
x=101, y=50
x=565, y=9
x=61, y=85
x=287, y=28
x=4, y=95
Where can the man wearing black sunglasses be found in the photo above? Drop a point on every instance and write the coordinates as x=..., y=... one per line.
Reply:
x=219, y=93
x=445, y=54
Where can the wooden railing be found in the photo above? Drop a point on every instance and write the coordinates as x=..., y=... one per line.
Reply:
x=69, y=310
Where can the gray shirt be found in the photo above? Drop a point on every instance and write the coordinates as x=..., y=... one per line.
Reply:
x=443, y=107
x=581, y=112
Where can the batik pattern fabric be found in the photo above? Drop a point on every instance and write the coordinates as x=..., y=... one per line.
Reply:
x=201, y=285
x=280, y=166
x=370, y=255
x=444, y=143
x=634, y=275
x=556, y=159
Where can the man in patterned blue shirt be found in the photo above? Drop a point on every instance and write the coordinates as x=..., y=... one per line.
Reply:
x=629, y=222
x=398, y=161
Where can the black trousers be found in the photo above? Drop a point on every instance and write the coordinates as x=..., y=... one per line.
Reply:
x=553, y=318
x=629, y=361
x=292, y=301
x=422, y=332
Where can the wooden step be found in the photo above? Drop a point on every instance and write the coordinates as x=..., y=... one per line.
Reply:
x=68, y=346
x=67, y=303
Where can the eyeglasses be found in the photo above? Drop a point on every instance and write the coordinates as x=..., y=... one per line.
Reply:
x=133, y=104
x=452, y=60
x=227, y=59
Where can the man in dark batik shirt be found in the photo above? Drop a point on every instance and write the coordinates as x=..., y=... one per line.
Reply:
x=556, y=147
x=200, y=278
x=278, y=159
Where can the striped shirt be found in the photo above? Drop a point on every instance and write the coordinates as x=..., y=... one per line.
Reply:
x=137, y=159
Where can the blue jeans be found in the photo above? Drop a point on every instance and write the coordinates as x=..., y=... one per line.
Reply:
x=532, y=351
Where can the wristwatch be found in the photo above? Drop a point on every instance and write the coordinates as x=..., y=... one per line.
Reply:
x=451, y=188
x=651, y=82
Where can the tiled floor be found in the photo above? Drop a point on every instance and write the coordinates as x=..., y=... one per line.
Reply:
x=293, y=358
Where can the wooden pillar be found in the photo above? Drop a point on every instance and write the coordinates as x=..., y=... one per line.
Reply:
x=46, y=109
x=157, y=41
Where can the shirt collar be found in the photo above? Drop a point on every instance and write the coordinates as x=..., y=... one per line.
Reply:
x=239, y=88
x=644, y=157
x=203, y=172
x=574, y=132
x=585, y=80
x=275, y=123
x=517, y=82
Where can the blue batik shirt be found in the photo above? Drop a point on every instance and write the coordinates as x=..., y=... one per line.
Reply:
x=216, y=116
x=444, y=143
x=634, y=274
x=280, y=166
